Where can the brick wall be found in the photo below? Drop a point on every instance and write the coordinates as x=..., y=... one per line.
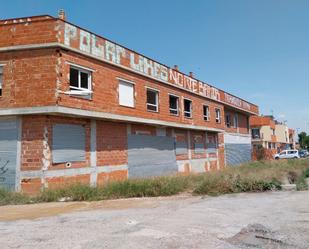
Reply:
x=105, y=96
x=24, y=31
x=32, y=142
x=36, y=129
x=111, y=143
x=29, y=78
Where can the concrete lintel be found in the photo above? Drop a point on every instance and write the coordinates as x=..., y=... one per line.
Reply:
x=61, y=110
x=238, y=134
x=197, y=160
x=29, y=46
x=71, y=172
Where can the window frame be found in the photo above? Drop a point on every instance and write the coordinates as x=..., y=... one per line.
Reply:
x=228, y=122
x=218, y=119
x=81, y=70
x=191, y=108
x=157, y=99
x=206, y=117
x=120, y=80
x=177, y=109
x=253, y=133
x=235, y=120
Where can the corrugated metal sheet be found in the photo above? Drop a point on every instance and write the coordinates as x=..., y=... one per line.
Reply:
x=8, y=151
x=236, y=154
x=68, y=143
x=151, y=156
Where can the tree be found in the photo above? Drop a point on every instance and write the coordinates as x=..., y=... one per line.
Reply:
x=302, y=139
x=306, y=142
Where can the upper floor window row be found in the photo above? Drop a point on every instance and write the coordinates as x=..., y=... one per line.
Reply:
x=126, y=91
x=81, y=82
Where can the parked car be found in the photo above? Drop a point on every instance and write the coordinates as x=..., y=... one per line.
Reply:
x=287, y=154
x=303, y=153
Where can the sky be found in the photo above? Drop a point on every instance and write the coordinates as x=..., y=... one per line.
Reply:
x=255, y=49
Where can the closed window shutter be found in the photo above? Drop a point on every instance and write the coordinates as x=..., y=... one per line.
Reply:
x=126, y=94
x=68, y=143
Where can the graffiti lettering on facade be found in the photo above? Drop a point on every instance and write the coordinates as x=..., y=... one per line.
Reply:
x=193, y=85
x=148, y=67
x=109, y=51
x=236, y=101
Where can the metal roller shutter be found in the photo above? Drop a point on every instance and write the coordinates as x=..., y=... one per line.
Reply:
x=68, y=143
x=237, y=149
x=236, y=154
x=8, y=153
x=151, y=156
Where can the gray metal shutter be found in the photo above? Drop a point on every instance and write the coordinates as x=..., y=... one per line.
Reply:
x=8, y=151
x=151, y=156
x=181, y=148
x=199, y=148
x=68, y=143
x=236, y=154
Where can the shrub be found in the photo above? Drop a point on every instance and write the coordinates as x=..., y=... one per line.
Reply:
x=306, y=173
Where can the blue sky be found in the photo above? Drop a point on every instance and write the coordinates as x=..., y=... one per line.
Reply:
x=255, y=49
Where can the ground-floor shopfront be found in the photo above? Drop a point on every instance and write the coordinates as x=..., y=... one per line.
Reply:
x=46, y=151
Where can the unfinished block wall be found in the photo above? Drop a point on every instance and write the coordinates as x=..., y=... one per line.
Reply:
x=106, y=160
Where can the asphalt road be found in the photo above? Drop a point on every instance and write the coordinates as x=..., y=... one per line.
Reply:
x=259, y=220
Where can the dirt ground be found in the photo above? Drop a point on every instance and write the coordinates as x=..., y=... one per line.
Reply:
x=261, y=220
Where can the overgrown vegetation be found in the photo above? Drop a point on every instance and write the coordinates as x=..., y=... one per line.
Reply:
x=252, y=177
x=12, y=198
x=303, y=139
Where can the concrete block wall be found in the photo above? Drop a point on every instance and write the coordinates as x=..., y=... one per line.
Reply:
x=111, y=159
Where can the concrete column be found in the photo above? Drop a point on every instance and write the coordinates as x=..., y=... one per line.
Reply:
x=189, y=144
x=93, y=153
x=18, y=155
x=207, y=154
x=129, y=129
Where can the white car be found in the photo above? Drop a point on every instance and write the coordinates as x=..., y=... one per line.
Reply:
x=287, y=154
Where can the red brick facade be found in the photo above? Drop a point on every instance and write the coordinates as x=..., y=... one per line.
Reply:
x=36, y=61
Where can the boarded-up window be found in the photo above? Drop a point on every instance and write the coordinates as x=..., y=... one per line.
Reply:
x=181, y=145
x=198, y=145
x=211, y=141
x=68, y=143
x=126, y=94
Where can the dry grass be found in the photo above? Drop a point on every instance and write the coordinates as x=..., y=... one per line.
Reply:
x=251, y=177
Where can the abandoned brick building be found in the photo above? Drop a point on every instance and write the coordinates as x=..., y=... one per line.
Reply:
x=76, y=107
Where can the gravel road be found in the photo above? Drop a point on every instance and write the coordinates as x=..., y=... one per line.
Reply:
x=255, y=220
